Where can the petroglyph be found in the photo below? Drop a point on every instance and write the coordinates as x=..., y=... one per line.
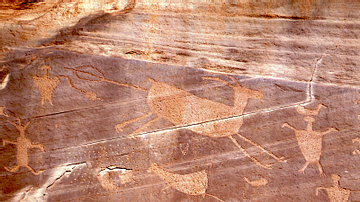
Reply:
x=22, y=145
x=105, y=181
x=2, y=111
x=357, y=102
x=356, y=151
x=125, y=176
x=193, y=184
x=336, y=193
x=310, y=142
x=183, y=108
x=97, y=78
x=46, y=85
x=4, y=77
x=309, y=112
x=257, y=183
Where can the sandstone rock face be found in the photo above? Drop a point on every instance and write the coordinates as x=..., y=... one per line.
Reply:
x=179, y=101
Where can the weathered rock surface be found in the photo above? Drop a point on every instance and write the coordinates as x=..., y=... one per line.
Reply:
x=142, y=101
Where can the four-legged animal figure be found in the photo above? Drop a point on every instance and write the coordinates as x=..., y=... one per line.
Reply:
x=310, y=143
x=183, y=108
x=22, y=145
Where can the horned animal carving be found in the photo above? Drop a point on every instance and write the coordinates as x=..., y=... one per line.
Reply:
x=22, y=144
x=183, y=108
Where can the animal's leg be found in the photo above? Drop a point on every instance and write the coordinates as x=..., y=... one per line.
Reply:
x=329, y=131
x=302, y=170
x=119, y=127
x=248, y=155
x=33, y=171
x=144, y=126
x=15, y=168
x=263, y=149
x=167, y=187
x=322, y=173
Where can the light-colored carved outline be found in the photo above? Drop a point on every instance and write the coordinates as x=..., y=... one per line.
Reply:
x=257, y=183
x=47, y=84
x=193, y=183
x=22, y=145
x=310, y=141
x=183, y=108
x=336, y=193
x=2, y=111
x=356, y=151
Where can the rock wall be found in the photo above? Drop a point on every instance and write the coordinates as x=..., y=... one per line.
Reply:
x=180, y=101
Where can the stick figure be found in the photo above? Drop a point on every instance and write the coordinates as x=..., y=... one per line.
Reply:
x=22, y=145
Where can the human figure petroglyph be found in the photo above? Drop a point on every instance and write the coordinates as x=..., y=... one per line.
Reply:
x=22, y=145
x=46, y=84
x=310, y=143
x=356, y=151
x=257, y=183
x=193, y=184
x=336, y=193
x=183, y=108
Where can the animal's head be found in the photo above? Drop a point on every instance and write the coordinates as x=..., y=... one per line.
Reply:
x=249, y=93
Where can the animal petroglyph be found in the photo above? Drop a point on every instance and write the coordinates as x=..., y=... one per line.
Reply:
x=257, y=183
x=193, y=184
x=46, y=85
x=2, y=111
x=309, y=112
x=336, y=193
x=97, y=78
x=183, y=108
x=356, y=151
x=310, y=143
x=22, y=145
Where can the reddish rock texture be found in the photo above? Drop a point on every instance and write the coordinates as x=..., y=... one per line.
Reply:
x=139, y=101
